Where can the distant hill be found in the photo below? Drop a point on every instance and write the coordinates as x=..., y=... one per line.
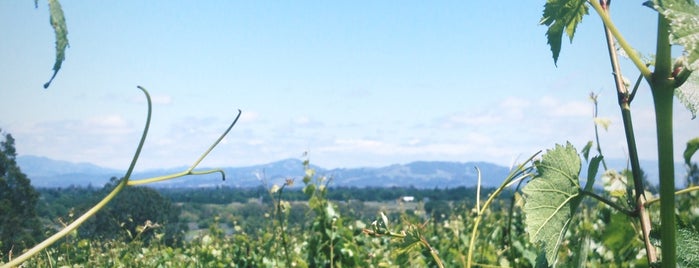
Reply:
x=45, y=172
x=421, y=174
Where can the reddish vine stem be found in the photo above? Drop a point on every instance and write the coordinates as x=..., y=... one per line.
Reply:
x=624, y=99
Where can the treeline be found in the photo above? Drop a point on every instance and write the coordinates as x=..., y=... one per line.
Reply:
x=227, y=195
x=132, y=213
x=172, y=209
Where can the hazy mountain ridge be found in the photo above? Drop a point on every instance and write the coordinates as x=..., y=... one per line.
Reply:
x=45, y=172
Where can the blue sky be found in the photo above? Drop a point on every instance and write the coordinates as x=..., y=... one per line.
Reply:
x=354, y=83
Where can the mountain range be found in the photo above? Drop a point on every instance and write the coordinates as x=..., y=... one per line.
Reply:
x=46, y=172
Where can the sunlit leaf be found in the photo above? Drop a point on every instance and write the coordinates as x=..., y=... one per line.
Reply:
x=692, y=147
x=688, y=94
x=562, y=16
x=58, y=23
x=552, y=197
x=602, y=122
x=683, y=16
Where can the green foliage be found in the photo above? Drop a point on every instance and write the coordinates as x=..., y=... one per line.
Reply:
x=330, y=242
x=618, y=236
x=227, y=195
x=692, y=147
x=58, y=22
x=19, y=223
x=677, y=24
x=131, y=210
x=438, y=210
x=692, y=168
x=397, y=241
x=592, y=171
x=688, y=253
x=688, y=94
x=562, y=16
x=682, y=15
x=552, y=198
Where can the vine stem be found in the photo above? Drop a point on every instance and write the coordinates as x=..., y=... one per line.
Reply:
x=620, y=38
x=80, y=220
x=119, y=187
x=662, y=87
x=683, y=191
x=513, y=176
x=624, y=100
x=68, y=229
x=609, y=203
x=190, y=170
x=663, y=116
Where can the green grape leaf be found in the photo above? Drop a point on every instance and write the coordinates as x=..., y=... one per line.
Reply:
x=592, y=169
x=58, y=22
x=687, y=247
x=586, y=150
x=688, y=94
x=618, y=232
x=552, y=197
x=684, y=26
x=692, y=147
x=560, y=16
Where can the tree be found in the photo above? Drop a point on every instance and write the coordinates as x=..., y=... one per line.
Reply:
x=439, y=210
x=19, y=223
x=132, y=210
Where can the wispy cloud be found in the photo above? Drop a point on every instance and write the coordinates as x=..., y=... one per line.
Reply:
x=99, y=139
x=510, y=128
x=306, y=121
x=156, y=98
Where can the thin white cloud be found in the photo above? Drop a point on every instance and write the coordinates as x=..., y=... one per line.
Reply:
x=249, y=117
x=466, y=119
x=106, y=124
x=161, y=99
x=513, y=127
x=155, y=97
x=98, y=139
x=306, y=121
x=557, y=108
x=470, y=144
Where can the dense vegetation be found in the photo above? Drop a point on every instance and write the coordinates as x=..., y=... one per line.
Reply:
x=268, y=228
x=19, y=223
x=225, y=195
x=200, y=205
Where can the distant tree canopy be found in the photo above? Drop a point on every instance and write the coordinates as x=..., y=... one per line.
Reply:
x=129, y=212
x=226, y=195
x=438, y=209
x=19, y=223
